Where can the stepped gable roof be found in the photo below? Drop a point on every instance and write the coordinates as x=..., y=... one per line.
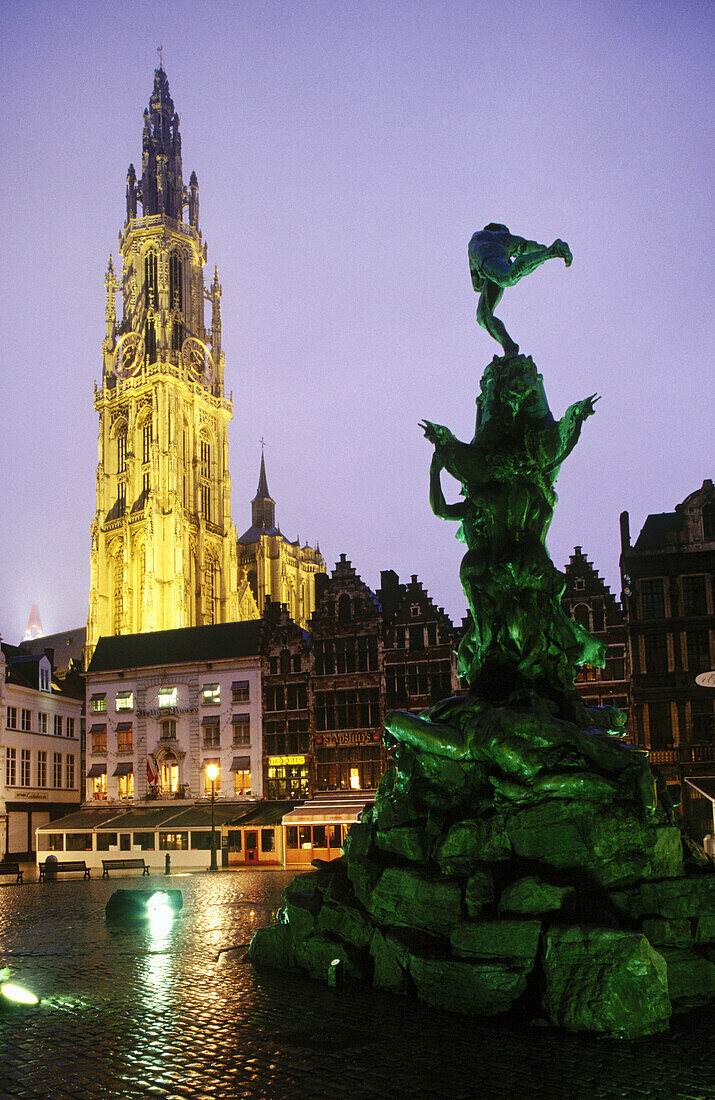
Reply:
x=194, y=643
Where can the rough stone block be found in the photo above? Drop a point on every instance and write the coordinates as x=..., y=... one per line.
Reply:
x=704, y=929
x=689, y=896
x=364, y=874
x=391, y=962
x=472, y=988
x=300, y=919
x=667, y=854
x=272, y=946
x=345, y=922
x=691, y=978
x=479, y=892
x=406, y=841
x=471, y=842
x=532, y=895
x=316, y=953
x=358, y=842
x=410, y=899
x=605, y=980
x=674, y=933
x=513, y=941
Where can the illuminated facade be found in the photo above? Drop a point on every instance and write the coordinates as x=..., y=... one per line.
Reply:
x=164, y=547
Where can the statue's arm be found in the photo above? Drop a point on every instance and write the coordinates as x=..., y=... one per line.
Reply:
x=570, y=424
x=521, y=247
x=436, y=497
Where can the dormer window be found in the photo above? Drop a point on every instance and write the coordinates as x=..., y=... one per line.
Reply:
x=168, y=697
x=44, y=678
x=211, y=694
x=124, y=700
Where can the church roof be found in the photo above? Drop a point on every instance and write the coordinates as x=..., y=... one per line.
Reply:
x=161, y=647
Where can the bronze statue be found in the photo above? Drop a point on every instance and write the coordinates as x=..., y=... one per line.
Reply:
x=490, y=262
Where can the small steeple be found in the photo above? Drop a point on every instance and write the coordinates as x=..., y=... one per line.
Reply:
x=263, y=508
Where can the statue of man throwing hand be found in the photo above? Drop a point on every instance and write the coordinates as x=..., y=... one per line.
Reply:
x=498, y=259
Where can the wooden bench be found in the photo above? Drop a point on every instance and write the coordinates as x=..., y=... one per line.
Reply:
x=67, y=865
x=7, y=867
x=123, y=865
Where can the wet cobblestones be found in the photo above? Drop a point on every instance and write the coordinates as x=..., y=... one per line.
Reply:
x=176, y=1013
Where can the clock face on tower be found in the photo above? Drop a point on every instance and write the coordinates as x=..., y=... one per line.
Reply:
x=128, y=354
x=197, y=359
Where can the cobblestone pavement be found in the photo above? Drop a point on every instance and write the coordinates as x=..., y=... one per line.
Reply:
x=177, y=1013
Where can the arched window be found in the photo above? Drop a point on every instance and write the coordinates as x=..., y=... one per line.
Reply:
x=205, y=458
x=582, y=614
x=177, y=333
x=175, y=287
x=150, y=340
x=709, y=521
x=150, y=294
x=147, y=436
x=122, y=449
x=211, y=592
x=205, y=478
x=344, y=608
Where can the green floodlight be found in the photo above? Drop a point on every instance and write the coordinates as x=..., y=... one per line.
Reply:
x=16, y=994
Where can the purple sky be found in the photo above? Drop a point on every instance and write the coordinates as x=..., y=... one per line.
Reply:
x=346, y=153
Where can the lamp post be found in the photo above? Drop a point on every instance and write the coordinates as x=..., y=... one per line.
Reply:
x=212, y=772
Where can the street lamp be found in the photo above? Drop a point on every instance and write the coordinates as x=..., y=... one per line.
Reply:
x=212, y=773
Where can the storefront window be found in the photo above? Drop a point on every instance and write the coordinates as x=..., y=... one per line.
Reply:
x=105, y=841
x=78, y=842
x=234, y=840
x=174, y=842
x=145, y=841
x=268, y=840
x=201, y=840
x=320, y=839
x=51, y=842
x=287, y=777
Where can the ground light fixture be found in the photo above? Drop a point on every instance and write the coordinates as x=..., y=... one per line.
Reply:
x=14, y=994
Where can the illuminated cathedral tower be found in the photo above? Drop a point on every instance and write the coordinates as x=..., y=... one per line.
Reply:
x=163, y=542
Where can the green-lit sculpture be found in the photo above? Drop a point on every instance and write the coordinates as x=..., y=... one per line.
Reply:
x=516, y=857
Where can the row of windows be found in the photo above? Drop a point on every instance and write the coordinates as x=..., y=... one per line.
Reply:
x=168, y=696
x=695, y=723
x=61, y=726
x=18, y=769
x=169, y=781
x=346, y=710
x=689, y=597
x=281, y=736
x=285, y=664
x=288, y=697
x=211, y=729
x=696, y=652
x=419, y=678
x=340, y=655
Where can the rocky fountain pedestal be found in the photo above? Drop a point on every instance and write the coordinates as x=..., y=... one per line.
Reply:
x=518, y=857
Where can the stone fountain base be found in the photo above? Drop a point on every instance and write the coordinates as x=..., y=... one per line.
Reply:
x=563, y=900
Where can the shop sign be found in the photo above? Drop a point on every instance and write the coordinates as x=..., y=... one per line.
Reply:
x=705, y=680
x=36, y=796
x=286, y=761
x=331, y=740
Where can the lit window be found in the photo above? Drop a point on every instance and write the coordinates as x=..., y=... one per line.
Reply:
x=98, y=734
x=98, y=703
x=242, y=781
x=211, y=694
x=217, y=780
x=124, y=700
x=125, y=737
x=168, y=696
x=125, y=785
x=169, y=776
x=354, y=779
x=99, y=786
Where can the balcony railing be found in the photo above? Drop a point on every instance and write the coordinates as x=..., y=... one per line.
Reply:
x=683, y=754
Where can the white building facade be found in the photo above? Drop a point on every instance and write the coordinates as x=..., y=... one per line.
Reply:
x=162, y=707
x=41, y=765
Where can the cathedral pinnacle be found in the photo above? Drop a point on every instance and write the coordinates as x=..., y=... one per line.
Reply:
x=262, y=505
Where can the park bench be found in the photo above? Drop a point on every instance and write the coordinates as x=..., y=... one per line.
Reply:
x=7, y=867
x=67, y=865
x=123, y=865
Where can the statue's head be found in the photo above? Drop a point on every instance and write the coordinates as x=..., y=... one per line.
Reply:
x=496, y=227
